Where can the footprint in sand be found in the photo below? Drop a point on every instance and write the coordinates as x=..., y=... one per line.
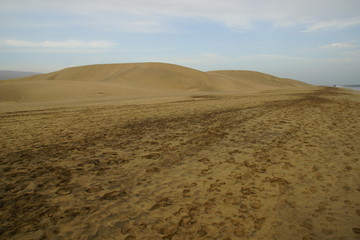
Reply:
x=307, y=223
x=130, y=238
x=94, y=189
x=186, y=193
x=205, y=172
x=113, y=195
x=256, y=204
x=202, y=231
x=153, y=170
x=64, y=191
x=247, y=191
x=164, y=202
x=243, y=208
x=327, y=231
x=186, y=222
x=240, y=231
x=204, y=160
x=334, y=198
x=117, y=161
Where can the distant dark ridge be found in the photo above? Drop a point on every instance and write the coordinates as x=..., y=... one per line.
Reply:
x=5, y=74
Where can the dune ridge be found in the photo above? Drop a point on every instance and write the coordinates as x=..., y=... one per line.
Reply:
x=135, y=79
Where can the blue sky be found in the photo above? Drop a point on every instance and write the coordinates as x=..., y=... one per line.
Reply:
x=316, y=41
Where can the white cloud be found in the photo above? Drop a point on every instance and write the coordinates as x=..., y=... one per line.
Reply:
x=340, y=45
x=333, y=25
x=58, y=44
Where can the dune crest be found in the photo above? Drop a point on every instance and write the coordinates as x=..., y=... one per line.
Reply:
x=135, y=79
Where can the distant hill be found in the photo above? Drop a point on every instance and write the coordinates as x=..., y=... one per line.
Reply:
x=136, y=80
x=5, y=74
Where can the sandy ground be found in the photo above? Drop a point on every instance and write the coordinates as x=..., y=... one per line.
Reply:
x=279, y=165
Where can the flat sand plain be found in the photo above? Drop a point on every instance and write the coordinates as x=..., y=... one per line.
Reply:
x=275, y=165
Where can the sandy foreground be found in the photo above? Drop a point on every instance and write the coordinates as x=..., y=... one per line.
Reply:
x=275, y=165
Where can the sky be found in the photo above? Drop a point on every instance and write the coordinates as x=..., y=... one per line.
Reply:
x=315, y=41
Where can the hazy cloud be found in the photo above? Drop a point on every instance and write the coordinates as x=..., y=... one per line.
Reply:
x=212, y=61
x=58, y=44
x=144, y=15
x=334, y=25
x=339, y=45
x=349, y=44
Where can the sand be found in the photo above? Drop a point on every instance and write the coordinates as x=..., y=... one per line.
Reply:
x=270, y=165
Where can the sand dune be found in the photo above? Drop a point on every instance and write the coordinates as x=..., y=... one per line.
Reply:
x=135, y=79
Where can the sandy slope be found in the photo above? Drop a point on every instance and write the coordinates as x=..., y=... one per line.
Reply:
x=251, y=81
x=280, y=165
x=134, y=79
